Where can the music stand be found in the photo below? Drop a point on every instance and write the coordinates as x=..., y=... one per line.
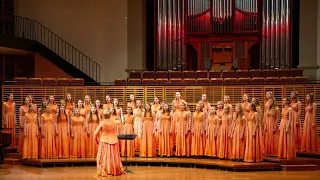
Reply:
x=127, y=137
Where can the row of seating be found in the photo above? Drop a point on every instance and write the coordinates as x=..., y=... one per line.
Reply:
x=212, y=81
x=216, y=74
x=48, y=81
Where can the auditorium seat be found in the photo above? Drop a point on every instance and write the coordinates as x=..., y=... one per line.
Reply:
x=202, y=74
x=63, y=81
x=272, y=80
x=189, y=81
x=135, y=75
x=242, y=73
x=255, y=73
x=214, y=74
x=203, y=81
x=296, y=72
x=35, y=81
x=230, y=80
x=228, y=74
x=286, y=80
x=134, y=82
x=162, y=75
x=216, y=81
x=300, y=79
x=188, y=74
x=148, y=82
x=268, y=73
x=244, y=80
x=161, y=81
x=175, y=74
x=175, y=81
x=120, y=82
x=77, y=81
x=148, y=74
x=49, y=81
x=20, y=80
x=282, y=73
x=258, y=80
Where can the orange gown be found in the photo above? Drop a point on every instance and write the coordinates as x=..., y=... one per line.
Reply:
x=128, y=129
x=147, y=143
x=10, y=120
x=30, y=145
x=92, y=146
x=254, y=145
x=310, y=138
x=237, y=138
x=108, y=158
x=212, y=133
x=165, y=139
x=53, y=108
x=155, y=108
x=48, y=143
x=225, y=148
x=63, y=137
x=137, y=127
x=271, y=133
x=182, y=138
x=21, y=133
x=176, y=104
x=77, y=142
x=296, y=125
x=197, y=132
x=286, y=141
x=132, y=105
x=107, y=106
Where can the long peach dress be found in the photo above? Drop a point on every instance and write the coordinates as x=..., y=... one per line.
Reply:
x=108, y=158
x=30, y=146
x=165, y=139
x=107, y=106
x=77, y=142
x=254, y=145
x=40, y=112
x=182, y=129
x=204, y=136
x=155, y=108
x=24, y=111
x=271, y=133
x=10, y=120
x=237, y=138
x=69, y=107
x=48, y=144
x=128, y=129
x=53, y=108
x=286, y=141
x=225, y=148
x=212, y=133
x=197, y=139
x=296, y=107
x=87, y=109
x=92, y=146
x=147, y=143
x=176, y=104
x=137, y=113
x=63, y=137
x=310, y=138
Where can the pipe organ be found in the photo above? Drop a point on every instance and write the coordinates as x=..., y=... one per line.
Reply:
x=220, y=32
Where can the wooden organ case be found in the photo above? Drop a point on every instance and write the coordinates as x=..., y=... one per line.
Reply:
x=221, y=34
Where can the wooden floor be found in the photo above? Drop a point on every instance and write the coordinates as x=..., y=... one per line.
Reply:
x=9, y=172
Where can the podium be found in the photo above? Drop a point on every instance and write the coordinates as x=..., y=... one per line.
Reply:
x=127, y=137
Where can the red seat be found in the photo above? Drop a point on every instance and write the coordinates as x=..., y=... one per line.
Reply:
x=301, y=79
x=203, y=81
x=134, y=82
x=255, y=73
x=63, y=81
x=244, y=80
x=286, y=80
x=230, y=80
x=216, y=81
x=162, y=74
x=214, y=74
x=49, y=81
x=20, y=80
x=272, y=80
x=228, y=74
x=135, y=75
x=258, y=80
x=35, y=81
x=120, y=82
x=242, y=73
x=148, y=74
x=77, y=81
x=202, y=74
x=282, y=73
x=296, y=72
x=175, y=81
x=269, y=73
x=188, y=74
x=189, y=81
x=174, y=74
x=161, y=81
x=148, y=82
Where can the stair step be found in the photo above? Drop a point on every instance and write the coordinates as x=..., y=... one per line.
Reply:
x=11, y=150
x=12, y=161
x=305, y=167
x=13, y=155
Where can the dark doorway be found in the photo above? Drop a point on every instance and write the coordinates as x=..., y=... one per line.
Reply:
x=254, y=55
x=192, y=56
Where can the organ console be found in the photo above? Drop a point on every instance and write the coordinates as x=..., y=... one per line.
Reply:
x=5, y=141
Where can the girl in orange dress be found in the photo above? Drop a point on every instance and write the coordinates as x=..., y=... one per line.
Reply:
x=132, y=102
x=41, y=111
x=81, y=108
x=296, y=113
x=286, y=141
x=206, y=104
x=87, y=105
x=128, y=129
x=108, y=158
x=254, y=146
x=205, y=113
x=22, y=112
x=119, y=113
x=176, y=109
x=137, y=115
x=63, y=129
x=225, y=148
x=211, y=148
x=226, y=102
x=271, y=133
x=53, y=106
x=269, y=98
x=32, y=102
x=69, y=104
x=182, y=129
x=155, y=108
x=92, y=123
x=9, y=118
x=197, y=130
x=30, y=149
x=108, y=103
x=147, y=143
x=237, y=133
x=48, y=130
x=245, y=105
x=77, y=135
x=310, y=138
x=99, y=108
x=165, y=132
x=256, y=101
